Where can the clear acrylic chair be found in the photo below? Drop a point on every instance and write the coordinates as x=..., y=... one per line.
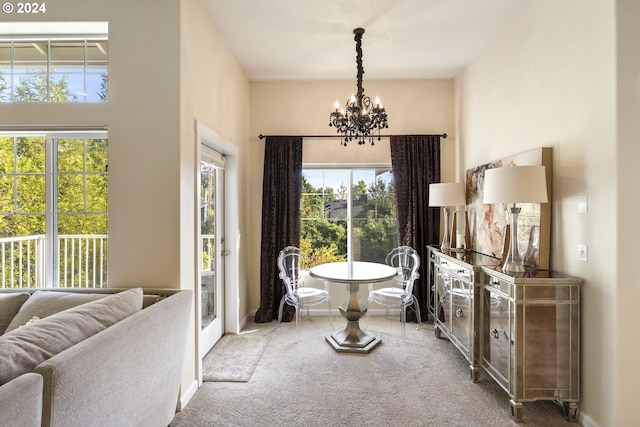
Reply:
x=292, y=272
x=400, y=294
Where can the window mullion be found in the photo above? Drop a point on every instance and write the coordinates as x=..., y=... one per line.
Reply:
x=84, y=175
x=51, y=217
x=85, y=72
x=15, y=175
x=49, y=70
x=13, y=58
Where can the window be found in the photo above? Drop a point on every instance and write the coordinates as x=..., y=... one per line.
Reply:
x=53, y=210
x=69, y=68
x=348, y=214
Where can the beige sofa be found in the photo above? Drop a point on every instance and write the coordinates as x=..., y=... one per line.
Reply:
x=126, y=374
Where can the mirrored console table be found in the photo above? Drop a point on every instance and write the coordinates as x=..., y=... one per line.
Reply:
x=523, y=331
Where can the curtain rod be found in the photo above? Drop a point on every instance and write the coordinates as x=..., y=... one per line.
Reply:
x=52, y=128
x=261, y=136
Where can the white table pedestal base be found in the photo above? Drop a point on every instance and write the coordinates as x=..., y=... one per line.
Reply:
x=352, y=339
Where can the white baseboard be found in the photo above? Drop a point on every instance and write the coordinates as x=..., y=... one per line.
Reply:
x=245, y=319
x=585, y=420
x=187, y=395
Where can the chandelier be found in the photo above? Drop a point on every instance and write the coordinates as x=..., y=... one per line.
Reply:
x=360, y=117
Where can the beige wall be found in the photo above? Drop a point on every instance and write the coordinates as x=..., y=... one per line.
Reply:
x=214, y=90
x=549, y=79
x=303, y=108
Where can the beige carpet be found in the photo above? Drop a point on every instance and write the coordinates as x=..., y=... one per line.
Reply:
x=423, y=381
x=233, y=358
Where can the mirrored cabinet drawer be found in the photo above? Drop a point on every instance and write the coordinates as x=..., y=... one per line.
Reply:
x=498, y=346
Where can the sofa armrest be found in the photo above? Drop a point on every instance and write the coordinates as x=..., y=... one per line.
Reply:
x=128, y=374
x=21, y=401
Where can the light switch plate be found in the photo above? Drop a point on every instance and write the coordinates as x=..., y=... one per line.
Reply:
x=582, y=252
x=583, y=204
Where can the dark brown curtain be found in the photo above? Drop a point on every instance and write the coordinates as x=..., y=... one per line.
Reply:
x=281, y=193
x=415, y=160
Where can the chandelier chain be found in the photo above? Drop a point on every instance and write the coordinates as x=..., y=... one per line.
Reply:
x=360, y=74
x=360, y=117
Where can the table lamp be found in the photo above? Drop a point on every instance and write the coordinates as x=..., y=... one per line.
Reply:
x=511, y=185
x=446, y=194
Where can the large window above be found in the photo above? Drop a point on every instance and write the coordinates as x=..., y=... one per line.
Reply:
x=53, y=67
x=348, y=214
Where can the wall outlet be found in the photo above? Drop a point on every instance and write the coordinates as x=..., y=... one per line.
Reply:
x=582, y=252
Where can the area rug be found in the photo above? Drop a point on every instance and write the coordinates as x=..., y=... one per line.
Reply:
x=233, y=358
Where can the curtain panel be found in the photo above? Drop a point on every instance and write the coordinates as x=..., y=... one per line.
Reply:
x=281, y=194
x=415, y=160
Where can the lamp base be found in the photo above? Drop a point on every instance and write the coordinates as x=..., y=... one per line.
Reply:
x=511, y=267
x=513, y=262
x=446, y=238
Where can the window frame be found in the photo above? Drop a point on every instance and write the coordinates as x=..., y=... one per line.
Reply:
x=349, y=169
x=52, y=251
x=49, y=67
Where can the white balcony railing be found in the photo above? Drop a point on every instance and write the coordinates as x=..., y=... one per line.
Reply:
x=81, y=261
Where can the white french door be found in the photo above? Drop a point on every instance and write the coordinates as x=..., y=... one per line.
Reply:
x=212, y=250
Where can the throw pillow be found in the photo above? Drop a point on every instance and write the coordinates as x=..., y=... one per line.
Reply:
x=10, y=305
x=45, y=303
x=25, y=348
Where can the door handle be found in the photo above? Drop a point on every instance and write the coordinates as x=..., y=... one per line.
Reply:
x=224, y=253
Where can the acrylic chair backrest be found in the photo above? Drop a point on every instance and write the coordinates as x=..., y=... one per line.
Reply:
x=407, y=261
x=291, y=265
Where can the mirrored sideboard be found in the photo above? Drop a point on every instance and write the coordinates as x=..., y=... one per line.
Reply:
x=523, y=331
x=456, y=300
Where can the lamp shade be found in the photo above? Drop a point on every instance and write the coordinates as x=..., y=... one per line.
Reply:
x=447, y=194
x=515, y=184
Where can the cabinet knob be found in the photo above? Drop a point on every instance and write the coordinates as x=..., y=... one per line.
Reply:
x=494, y=334
x=459, y=313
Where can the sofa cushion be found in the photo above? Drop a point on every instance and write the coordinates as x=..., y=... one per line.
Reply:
x=45, y=303
x=9, y=306
x=26, y=347
x=21, y=401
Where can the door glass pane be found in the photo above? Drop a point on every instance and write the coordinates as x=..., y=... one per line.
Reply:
x=208, y=176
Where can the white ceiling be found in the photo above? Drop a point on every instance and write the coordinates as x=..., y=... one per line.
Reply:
x=313, y=39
